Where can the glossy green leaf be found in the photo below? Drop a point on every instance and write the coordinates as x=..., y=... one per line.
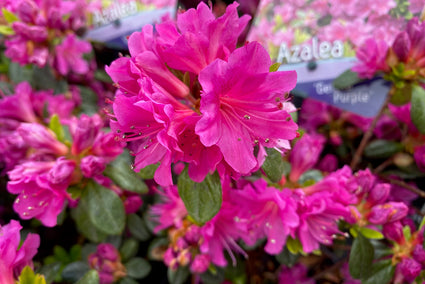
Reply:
x=129, y=249
x=9, y=16
x=346, y=80
x=138, y=228
x=56, y=127
x=75, y=270
x=29, y=277
x=178, y=276
x=371, y=234
x=80, y=214
x=148, y=172
x=91, y=277
x=417, y=111
x=123, y=176
x=379, y=149
x=380, y=272
x=137, y=268
x=6, y=30
x=105, y=209
x=50, y=271
x=274, y=67
x=361, y=257
x=294, y=246
x=273, y=165
x=202, y=200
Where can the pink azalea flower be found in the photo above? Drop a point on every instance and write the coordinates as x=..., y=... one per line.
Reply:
x=388, y=212
x=305, y=154
x=107, y=261
x=246, y=108
x=272, y=214
x=372, y=56
x=14, y=256
x=200, y=37
x=38, y=196
x=42, y=139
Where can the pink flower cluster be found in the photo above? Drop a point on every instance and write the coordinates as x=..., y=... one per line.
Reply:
x=45, y=33
x=187, y=94
x=14, y=255
x=41, y=165
x=350, y=21
x=107, y=261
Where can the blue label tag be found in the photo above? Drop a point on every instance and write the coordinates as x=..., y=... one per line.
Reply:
x=364, y=99
x=114, y=34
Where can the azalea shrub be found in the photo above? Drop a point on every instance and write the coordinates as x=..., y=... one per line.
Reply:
x=187, y=159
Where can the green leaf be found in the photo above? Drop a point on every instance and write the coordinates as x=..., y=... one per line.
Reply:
x=310, y=177
x=9, y=16
x=402, y=94
x=105, y=209
x=381, y=272
x=417, y=111
x=6, y=30
x=128, y=280
x=138, y=268
x=346, y=80
x=91, y=277
x=407, y=233
x=18, y=73
x=371, y=234
x=84, y=225
x=215, y=276
x=273, y=165
x=294, y=246
x=56, y=127
x=138, y=228
x=122, y=175
x=361, y=257
x=380, y=148
x=75, y=270
x=178, y=276
x=287, y=258
x=29, y=277
x=50, y=271
x=129, y=249
x=148, y=172
x=202, y=200
x=274, y=67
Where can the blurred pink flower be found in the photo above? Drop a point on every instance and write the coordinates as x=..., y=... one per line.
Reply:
x=372, y=57
x=14, y=256
x=69, y=55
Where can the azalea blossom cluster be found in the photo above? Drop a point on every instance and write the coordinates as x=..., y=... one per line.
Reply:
x=187, y=95
x=44, y=32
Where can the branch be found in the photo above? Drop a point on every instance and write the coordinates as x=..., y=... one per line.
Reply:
x=405, y=185
x=366, y=137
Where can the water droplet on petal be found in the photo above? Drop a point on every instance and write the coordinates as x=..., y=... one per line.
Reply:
x=267, y=140
x=25, y=196
x=118, y=131
x=17, y=200
x=30, y=208
x=132, y=127
x=273, y=241
x=25, y=214
x=147, y=125
x=140, y=133
x=132, y=166
x=236, y=219
x=268, y=225
x=247, y=117
x=123, y=137
x=146, y=146
x=41, y=203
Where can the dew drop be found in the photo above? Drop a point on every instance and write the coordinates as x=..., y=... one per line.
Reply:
x=25, y=196
x=140, y=133
x=273, y=241
x=247, y=117
x=268, y=225
x=117, y=138
x=146, y=146
x=41, y=203
x=123, y=137
x=256, y=141
x=132, y=166
x=30, y=208
x=132, y=127
x=25, y=214
x=147, y=125
x=236, y=219
x=17, y=200
x=118, y=131
x=267, y=140
x=324, y=227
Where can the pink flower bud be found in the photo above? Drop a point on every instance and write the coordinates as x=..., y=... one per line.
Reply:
x=388, y=212
x=132, y=204
x=379, y=193
x=92, y=166
x=200, y=264
x=401, y=46
x=62, y=171
x=410, y=269
x=107, y=251
x=393, y=231
x=42, y=139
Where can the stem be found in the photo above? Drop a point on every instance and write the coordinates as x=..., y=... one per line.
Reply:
x=382, y=166
x=401, y=183
x=366, y=137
